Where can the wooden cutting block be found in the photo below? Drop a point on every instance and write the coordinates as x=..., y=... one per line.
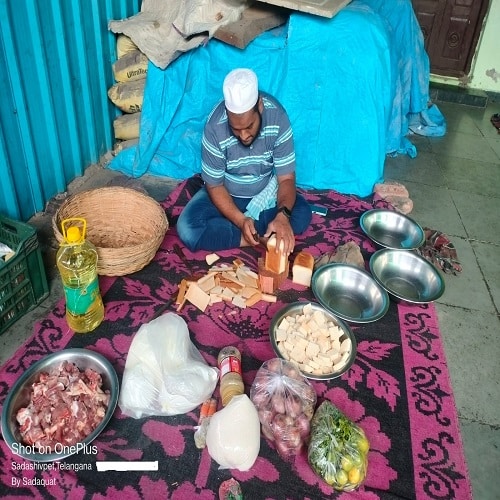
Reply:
x=269, y=281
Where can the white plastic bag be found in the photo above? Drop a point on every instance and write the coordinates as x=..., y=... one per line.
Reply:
x=165, y=373
x=233, y=435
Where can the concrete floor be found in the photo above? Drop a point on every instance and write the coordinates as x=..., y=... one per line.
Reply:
x=454, y=183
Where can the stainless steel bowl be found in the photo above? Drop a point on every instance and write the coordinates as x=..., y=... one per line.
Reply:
x=392, y=229
x=296, y=308
x=19, y=396
x=350, y=293
x=406, y=276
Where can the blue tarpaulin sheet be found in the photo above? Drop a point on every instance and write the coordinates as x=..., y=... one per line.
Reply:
x=348, y=84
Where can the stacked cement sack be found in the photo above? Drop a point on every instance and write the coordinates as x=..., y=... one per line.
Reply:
x=127, y=94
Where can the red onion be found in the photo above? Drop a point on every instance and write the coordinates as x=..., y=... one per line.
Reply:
x=260, y=398
x=303, y=425
x=278, y=403
x=265, y=416
x=280, y=434
x=291, y=371
x=293, y=438
x=273, y=365
x=293, y=406
x=279, y=422
x=267, y=431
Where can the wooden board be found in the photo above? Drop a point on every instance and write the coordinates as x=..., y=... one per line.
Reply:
x=324, y=8
x=254, y=21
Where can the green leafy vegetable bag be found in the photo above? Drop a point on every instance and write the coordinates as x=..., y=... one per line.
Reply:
x=338, y=448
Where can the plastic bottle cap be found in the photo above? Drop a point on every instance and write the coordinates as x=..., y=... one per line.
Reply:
x=73, y=234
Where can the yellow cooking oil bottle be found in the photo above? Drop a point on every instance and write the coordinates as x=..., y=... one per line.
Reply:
x=77, y=263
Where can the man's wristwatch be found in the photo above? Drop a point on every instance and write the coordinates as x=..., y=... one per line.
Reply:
x=286, y=211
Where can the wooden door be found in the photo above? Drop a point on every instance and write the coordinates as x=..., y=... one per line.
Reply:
x=451, y=30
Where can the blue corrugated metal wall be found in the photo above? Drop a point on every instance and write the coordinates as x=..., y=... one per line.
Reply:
x=56, y=120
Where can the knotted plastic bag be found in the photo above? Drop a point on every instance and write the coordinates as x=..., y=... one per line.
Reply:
x=285, y=401
x=233, y=435
x=165, y=374
x=338, y=450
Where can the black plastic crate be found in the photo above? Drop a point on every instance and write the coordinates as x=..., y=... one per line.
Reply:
x=23, y=283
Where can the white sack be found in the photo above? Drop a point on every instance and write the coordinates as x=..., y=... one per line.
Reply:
x=233, y=436
x=166, y=28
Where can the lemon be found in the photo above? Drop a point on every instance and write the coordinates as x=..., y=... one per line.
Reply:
x=354, y=475
x=329, y=478
x=346, y=463
x=342, y=477
x=358, y=459
x=363, y=445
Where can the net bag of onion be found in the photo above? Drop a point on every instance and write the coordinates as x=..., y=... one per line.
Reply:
x=338, y=448
x=285, y=401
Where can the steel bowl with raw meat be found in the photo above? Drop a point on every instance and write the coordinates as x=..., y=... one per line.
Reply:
x=60, y=405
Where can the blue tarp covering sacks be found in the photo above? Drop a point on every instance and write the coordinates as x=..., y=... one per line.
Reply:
x=340, y=80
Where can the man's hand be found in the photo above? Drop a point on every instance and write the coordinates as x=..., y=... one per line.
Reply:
x=249, y=232
x=284, y=233
x=281, y=225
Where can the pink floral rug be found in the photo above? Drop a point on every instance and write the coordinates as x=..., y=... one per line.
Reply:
x=398, y=389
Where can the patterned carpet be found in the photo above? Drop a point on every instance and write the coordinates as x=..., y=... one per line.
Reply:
x=398, y=389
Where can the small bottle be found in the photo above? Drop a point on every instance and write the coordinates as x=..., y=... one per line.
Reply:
x=231, y=382
x=77, y=263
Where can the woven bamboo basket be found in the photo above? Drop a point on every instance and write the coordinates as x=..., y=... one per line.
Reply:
x=126, y=226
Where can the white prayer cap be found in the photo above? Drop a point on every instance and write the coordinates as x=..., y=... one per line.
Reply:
x=241, y=90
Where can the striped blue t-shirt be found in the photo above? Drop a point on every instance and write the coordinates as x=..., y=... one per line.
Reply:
x=246, y=170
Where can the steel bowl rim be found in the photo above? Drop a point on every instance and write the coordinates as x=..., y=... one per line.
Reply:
x=398, y=297
x=342, y=324
x=381, y=289
x=364, y=215
x=18, y=384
